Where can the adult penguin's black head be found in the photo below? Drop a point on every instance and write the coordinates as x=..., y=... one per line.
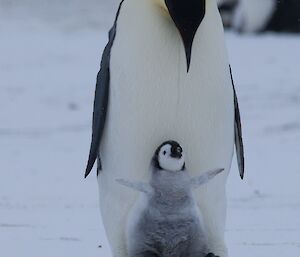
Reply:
x=187, y=16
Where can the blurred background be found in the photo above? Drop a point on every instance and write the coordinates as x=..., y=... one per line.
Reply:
x=49, y=56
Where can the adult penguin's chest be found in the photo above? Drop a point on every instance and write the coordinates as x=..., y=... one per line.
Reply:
x=153, y=98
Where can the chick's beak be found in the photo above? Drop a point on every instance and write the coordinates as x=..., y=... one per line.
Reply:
x=176, y=152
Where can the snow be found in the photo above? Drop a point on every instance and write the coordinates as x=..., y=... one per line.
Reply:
x=48, y=67
x=264, y=211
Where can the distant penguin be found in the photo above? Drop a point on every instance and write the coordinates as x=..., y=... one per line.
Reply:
x=263, y=15
x=166, y=220
x=164, y=74
x=226, y=8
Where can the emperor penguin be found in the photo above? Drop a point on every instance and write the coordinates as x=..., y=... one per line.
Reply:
x=166, y=220
x=226, y=8
x=164, y=74
x=268, y=15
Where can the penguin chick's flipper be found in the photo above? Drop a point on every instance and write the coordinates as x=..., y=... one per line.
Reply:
x=239, y=146
x=137, y=186
x=204, y=178
x=101, y=100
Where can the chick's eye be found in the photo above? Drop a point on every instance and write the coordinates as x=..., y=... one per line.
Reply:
x=164, y=152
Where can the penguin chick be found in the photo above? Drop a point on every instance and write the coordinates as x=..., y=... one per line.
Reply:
x=166, y=221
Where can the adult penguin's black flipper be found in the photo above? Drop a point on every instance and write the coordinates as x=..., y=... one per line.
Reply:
x=101, y=100
x=239, y=146
x=100, y=109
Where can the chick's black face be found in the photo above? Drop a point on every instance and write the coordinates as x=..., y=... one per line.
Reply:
x=187, y=16
x=176, y=151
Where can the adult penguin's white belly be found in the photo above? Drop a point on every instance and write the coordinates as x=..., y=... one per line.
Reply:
x=153, y=99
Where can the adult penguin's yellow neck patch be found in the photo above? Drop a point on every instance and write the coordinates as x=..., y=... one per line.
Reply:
x=162, y=6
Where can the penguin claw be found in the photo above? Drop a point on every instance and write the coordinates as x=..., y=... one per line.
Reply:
x=211, y=255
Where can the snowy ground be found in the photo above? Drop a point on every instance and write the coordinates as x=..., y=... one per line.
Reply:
x=48, y=66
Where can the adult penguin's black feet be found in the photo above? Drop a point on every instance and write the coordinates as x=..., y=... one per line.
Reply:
x=211, y=255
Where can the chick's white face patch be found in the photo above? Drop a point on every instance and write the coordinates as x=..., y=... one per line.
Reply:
x=167, y=162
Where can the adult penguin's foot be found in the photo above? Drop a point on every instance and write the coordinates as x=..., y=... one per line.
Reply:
x=211, y=255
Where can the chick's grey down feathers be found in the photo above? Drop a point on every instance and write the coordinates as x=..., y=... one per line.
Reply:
x=170, y=224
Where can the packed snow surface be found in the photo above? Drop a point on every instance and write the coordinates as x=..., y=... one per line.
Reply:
x=48, y=67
